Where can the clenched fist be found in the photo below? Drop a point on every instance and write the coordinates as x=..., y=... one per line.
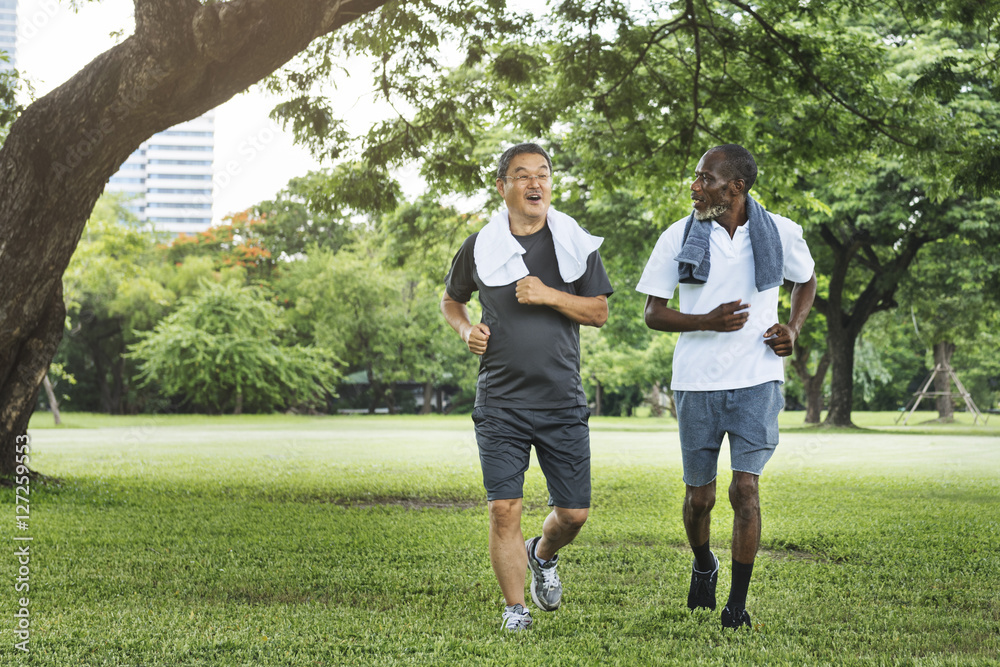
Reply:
x=532, y=291
x=477, y=338
x=781, y=339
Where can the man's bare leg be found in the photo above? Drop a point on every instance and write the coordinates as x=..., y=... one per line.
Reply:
x=698, y=504
x=745, y=499
x=507, y=555
x=561, y=527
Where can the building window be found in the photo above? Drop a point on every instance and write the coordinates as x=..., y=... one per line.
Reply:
x=190, y=163
x=183, y=177
x=160, y=147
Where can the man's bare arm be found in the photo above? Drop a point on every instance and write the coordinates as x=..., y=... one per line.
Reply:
x=589, y=310
x=730, y=316
x=781, y=337
x=476, y=336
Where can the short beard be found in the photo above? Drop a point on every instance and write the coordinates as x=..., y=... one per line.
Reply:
x=712, y=213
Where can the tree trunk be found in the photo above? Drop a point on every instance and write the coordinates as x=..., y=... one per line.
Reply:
x=841, y=351
x=101, y=375
x=597, y=399
x=238, y=409
x=106, y=365
x=23, y=368
x=671, y=406
x=812, y=383
x=814, y=399
x=376, y=389
x=428, y=398
x=943, y=352
x=655, y=402
x=118, y=384
x=183, y=59
x=844, y=327
x=390, y=398
x=50, y=393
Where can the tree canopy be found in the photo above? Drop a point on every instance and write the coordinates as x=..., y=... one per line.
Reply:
x=846, y=105
x=183, y=58
x=636, y=91
x=633, y=92
x=222, y=350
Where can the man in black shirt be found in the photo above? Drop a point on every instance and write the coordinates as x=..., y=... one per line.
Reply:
x=539, y=277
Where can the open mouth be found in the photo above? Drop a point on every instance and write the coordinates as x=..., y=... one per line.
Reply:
x=534, y=197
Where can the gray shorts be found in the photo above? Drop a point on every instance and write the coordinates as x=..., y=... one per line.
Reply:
x=562, y=445
x=750, y=417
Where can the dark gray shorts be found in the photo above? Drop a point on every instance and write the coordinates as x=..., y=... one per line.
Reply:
x=562, y=445
x=750, y=417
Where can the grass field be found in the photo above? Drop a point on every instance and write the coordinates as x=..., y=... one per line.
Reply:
x=362, y=541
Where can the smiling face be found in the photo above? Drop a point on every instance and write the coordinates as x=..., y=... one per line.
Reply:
x=527, y=189
x=712, y=193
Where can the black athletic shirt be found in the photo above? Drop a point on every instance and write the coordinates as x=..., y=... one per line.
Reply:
x=532, y=359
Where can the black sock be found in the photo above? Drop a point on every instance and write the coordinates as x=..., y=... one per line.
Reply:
x=741, y=584
x=702, y=554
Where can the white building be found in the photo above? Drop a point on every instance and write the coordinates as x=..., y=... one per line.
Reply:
x=170, y=177
x=8, y=32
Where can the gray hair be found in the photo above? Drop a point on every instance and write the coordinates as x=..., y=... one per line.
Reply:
x=738, y=163
x=520, y=149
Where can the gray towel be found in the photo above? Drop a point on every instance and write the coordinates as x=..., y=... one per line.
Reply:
x=768, y=260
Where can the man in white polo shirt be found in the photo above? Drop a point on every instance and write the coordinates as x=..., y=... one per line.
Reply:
x=729, y=259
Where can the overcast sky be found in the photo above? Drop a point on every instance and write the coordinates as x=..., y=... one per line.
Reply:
x=54, y=43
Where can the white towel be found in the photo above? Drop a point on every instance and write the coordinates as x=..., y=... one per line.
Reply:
x=498, y=254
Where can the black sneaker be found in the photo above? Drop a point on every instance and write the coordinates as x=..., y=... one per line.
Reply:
x=731, y=619
x=702, y=591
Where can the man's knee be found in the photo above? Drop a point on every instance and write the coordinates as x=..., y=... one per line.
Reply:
x=572, y=519
x=743, y=493
x=700, y=499
x=505, y=513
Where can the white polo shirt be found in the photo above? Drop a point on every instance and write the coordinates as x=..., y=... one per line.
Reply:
x=714, y=360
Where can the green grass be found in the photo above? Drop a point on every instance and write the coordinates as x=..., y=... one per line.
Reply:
x=921, y=422
x=362, y=541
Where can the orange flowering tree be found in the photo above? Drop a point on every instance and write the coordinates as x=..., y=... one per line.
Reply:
x=235, y=243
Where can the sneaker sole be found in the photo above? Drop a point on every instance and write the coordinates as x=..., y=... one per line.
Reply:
x=539, y=603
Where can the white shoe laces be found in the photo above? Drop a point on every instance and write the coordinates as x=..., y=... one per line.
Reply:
x=549, y=577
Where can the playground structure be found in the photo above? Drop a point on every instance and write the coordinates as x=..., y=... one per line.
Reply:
x=943, y=368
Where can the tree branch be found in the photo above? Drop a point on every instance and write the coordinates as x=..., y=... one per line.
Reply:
x=790, y=49
x=831, y=239
x=654, y=39
x=697, y=77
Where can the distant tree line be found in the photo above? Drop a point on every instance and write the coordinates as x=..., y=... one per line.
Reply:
x=290, y=308
x=875, y=126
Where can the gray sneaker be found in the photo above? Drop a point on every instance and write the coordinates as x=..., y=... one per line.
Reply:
x=546, y=589
x=516, y=618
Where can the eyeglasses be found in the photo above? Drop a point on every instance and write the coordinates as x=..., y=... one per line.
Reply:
x=525, y=179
